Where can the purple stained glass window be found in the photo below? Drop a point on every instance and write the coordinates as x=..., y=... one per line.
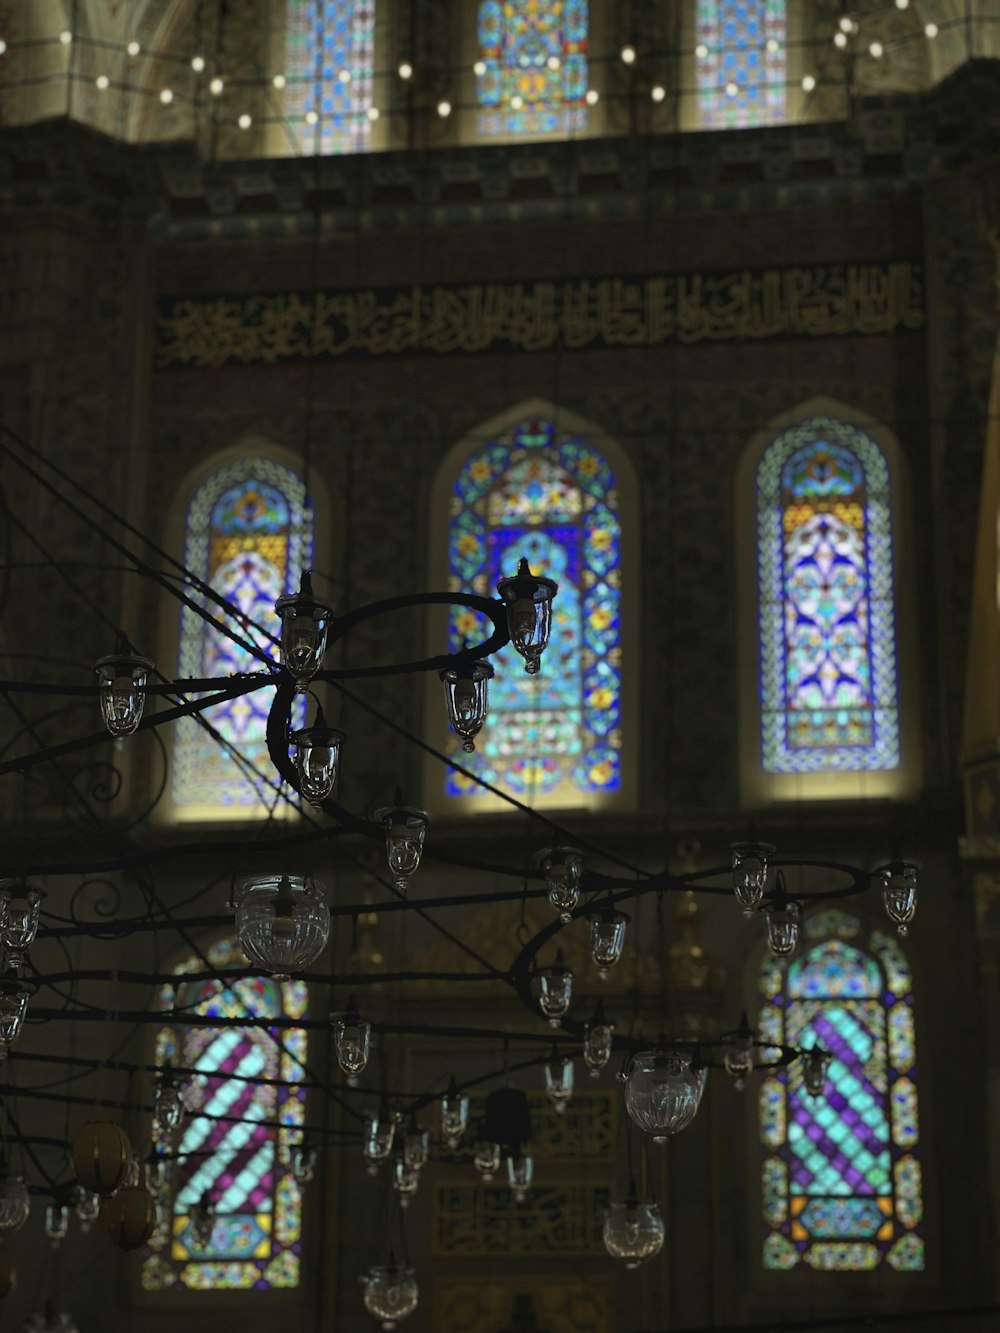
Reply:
x=840, y=1173
x=828, y=675
x=330, y=66
x=552, y=497
x=235, y=1145
x=249, y=534
x=740, y=60
x=531, y=76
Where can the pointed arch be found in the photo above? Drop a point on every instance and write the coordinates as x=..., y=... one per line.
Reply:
x=541, y=482
x=236, y=1142
x=826, y=709
x=841, y=1186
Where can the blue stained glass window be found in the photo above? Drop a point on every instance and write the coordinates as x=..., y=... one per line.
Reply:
x=552, y=498
x=531, y=77
x=840, y=1175
x=741, y=62
x=828, y=674
x=235, y=1145
x=249, y=534
x=330, y=66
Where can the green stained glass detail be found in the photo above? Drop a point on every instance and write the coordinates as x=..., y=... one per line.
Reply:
x=779, y=1252
x=831, y=924
x=905, y=1129
x=901, y=1046
x=834, y=968
x=907, y=1255
x=772, y=1112
x=909, y=1192
x=843, y=1257
x=897, y=970
x=774, y=1181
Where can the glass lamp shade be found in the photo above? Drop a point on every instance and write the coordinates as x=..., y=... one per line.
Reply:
x=101, y=1155
x=663, y=1093
x=633, y=1231
x=14, y=996
x=168, y=1103
x=486, y=1158
x=520, y=1173
x=15, y=1203
x=303, y=1163
x=56, y=1222
x=416, y=1146
x=405, y=1181
x=607, y=938
x=130, y=1217
x=317, y=759
x=282, y=922
x=352, y=1037
x=559, y=1082
x=749, y=863
x=305, y=626
x=899, y=894
x=598, y=1044
x=467, y=697
x=49, y=1321
x=562, y=868
x=405, y=831
x=529, y=613
x=380, y=1131
x=454, y=1116
x=737, y=1057
x=391, y=1294
x=87, y=1209
x=555, y=987
x=783, y=922
x=19, y=915
x=815, y=1063
x=122, y=679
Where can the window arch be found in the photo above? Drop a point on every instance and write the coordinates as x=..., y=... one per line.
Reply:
x=536, y=484
x=531, y=73
x=741, y=62
x=329, y=72
x=840, y=1174
x=237, y=1139
x=248, y=532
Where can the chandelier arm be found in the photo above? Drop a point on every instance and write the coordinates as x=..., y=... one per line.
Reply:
x=491, y=607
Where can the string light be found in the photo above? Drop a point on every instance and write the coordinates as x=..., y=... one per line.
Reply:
x=405, y=70
x=593, y=96
x=732, y=89
x=215, y=87
x=133, y=48
x=245, y=121
x=479, y=68
x=103, y=82
x=808, y=83
x=65, y=37
x=847, y=24
x=773, y=46
x=517, y=102
x=344, y=76
x=311, y=118
x=197, y=63
x=902, y=4
x=840, y=39
x=279, y=81
x=701, y=51
x=166, y=97
x=554, y=62
x=628, y=55
x=444, y=109
x=658, y=92
x=930, y=30
x=373, y=113
x=3, y=46
x=875, y=50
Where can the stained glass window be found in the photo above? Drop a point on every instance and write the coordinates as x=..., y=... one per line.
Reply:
x=840, y=1174
x=235, y=1145
x=249, y=534
x=828, y=678
x=740, y=62
x=330, y=64
x=531, y=76
x=552, y=497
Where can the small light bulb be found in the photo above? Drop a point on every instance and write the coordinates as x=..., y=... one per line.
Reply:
x=902, y=4
x=166, y=97
x=846, y=24
x=875, y=50
x=197, y=63
x=344, y=76
x=311, y=118
x=405, y=70
x=65, y=37
x=628, y=55
x=773, y=45
x=732, y=89
x=133, y=48
x=808, y=83
x=444, y=109
x=216, y=87
x=373, y=113
x=930, y=30
x=103, y=82
x=593, y=96
x=701, y=51
x=3, y=46
x=245, y=121
x=516, y=102
x=479, y=68
x=658, y=93
x=279, y=81
x=840, y=39
x=554, y=62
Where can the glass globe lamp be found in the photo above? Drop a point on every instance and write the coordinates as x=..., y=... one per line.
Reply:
x=520, y=1173
x=562, y=868
x=168, y=1102
x=529, y=613
x=101, y=1156
x=899, y=894
x=317, y=758
x=633, y=1231
x=749, y=864
x=87, y=1209
x=405, y=831
x=559, y=1081
x=15, y=1202
x=380, y=1131
x=391, y=1293
x=454, y=1116
x=19, y=913
x=122, y=681
x=815, y=1063
x=56, y=1223
x=305, y=626
x=416, y=1146
x=607, y=938
x=282, y=923
x=737, y=1053
x=14, y=996
x=352, y=1038
x=663, y=1092
x=784, y=919
x=405, y=1181
x=303, y=1163
x=598, y=1042
x=555, y=991
x=486, y=1158
x=466, y=693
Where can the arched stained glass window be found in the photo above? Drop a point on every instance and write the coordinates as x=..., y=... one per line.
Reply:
x=330, y=66
x=840, y=1174
x=235, y=1145
x=740, y=57
x=828, y=674
x=552, y=497
x=249, y=534
x=531, y=76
